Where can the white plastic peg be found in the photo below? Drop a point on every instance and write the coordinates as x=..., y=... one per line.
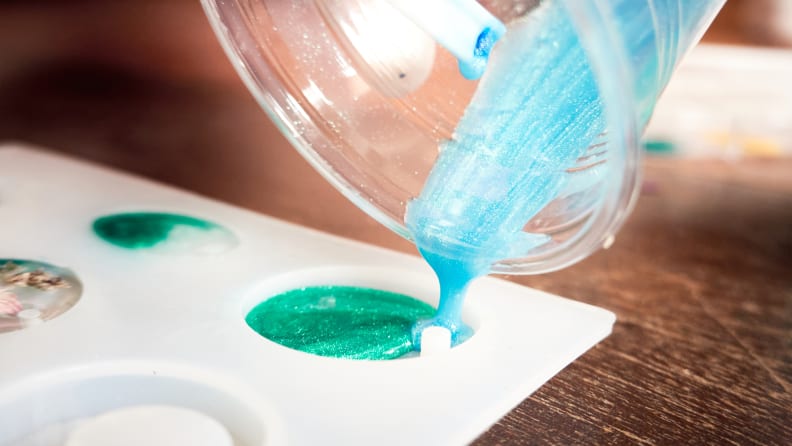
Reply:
x=435, y=340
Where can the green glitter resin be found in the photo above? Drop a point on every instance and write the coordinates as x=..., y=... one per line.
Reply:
x=340, y=321
x=141, y=230
x=659, y=146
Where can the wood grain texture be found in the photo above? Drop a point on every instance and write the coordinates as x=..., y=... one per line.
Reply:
x=701, y=282
x=700, y=277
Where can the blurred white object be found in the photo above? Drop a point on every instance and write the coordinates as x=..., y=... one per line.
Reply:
x=728, y=102
x=769, y=19
x=457, y=25
x=393, y=53
x=782, y=20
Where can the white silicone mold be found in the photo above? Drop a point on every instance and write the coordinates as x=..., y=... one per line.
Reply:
x=158, y=329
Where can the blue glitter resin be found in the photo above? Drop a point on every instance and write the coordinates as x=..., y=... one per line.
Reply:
x=535, y=112
x=486, y=40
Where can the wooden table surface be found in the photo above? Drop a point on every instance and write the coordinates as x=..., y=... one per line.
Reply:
x=700, y=277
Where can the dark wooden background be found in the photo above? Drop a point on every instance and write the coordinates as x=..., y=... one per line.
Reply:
x=700, y=277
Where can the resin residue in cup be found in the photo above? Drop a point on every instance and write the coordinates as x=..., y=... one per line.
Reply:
x=164, y=232
x=32, y=292
x=341, y=321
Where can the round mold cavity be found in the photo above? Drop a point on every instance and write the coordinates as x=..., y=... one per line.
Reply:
x=52, y=408
x=408, y=284
x=151, y=425
x=164, y=233
x=32, y=292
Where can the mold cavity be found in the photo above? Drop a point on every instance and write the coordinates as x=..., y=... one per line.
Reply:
x=164, y=233
x=32, y=292
x=151, y=425
x=341, y=321
x=146, y=404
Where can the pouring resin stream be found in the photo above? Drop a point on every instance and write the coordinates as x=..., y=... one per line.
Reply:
x=538, y=160
x=536, y=114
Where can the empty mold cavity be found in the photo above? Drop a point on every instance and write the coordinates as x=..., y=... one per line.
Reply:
x=75, y=407
x=150, y=425
x=163, y=232
x=350, y=313
x=32, y=292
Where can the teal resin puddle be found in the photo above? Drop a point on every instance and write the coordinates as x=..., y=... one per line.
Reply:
x=32, y=292
x=164, y=232
x=340, y=321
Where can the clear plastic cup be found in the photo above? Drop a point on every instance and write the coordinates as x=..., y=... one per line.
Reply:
x=370, y=99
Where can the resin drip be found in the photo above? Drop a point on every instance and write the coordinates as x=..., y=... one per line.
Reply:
x=535, y=115
x=340, y=321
